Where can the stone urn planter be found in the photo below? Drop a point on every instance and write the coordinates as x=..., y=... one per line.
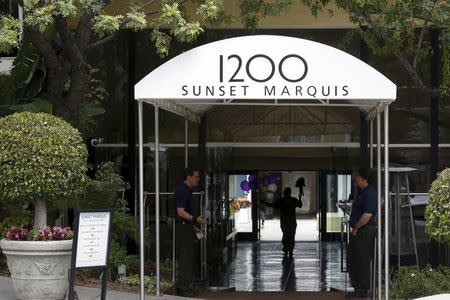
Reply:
x=39, y=269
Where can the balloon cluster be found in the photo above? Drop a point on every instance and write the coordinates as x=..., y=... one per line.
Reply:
x=250, y=184
x=268, y=181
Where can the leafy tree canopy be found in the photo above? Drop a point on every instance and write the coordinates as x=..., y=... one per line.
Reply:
x=63, y=32
x=389, y=27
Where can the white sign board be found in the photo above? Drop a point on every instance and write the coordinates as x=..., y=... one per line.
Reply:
x=265, y=67
x=92, y=241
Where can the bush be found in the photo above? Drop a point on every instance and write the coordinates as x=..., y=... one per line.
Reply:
x=43, y=161
x=118, y=256
x=437, y=212
x=149, y=283
x=13, y=215
x=408, y=283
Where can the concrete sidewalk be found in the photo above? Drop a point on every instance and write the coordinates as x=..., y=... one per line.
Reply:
x=7, y=293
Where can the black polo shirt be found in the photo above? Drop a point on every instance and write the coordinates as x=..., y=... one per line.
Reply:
x=183, y=198
x=365, y=203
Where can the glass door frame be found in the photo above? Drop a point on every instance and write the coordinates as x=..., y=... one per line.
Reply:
x=323, y=204
x=254, y=235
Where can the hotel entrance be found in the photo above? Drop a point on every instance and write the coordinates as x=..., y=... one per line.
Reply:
x=310, y=73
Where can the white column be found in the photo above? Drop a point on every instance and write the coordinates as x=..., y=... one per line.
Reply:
x=141, y=202
x=371, y=143
x=380, y=254
x=157, y=199
x=386, y=201
x=186, y=143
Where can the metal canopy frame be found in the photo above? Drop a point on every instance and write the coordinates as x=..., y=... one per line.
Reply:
x=193, y=109
x=188, y=108
x=169, y=105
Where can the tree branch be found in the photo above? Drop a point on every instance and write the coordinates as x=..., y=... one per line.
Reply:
x=419, y=44
x=125, y=21
x=109, y=37
x=401, y=58
x=148, y=3
x=415, y=77
x=45, y=48
x=84, y=31
x=157, y=11
x=74, y=55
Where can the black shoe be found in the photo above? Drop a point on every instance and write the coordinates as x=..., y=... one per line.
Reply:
x=185, y=292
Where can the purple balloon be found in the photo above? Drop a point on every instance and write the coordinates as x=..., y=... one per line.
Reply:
x=273, y=178
x=252, y=178
x=266, y=180
x=254, y=185
x=245, y=186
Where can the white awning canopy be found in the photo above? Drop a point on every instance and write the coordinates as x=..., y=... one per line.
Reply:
x=263, y=70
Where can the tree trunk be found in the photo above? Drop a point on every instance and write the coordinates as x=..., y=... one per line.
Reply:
x=54, y=92
x=66, y=104
x=40, y=214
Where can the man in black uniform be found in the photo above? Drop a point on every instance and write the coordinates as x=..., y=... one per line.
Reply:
x=362, y=238
x=185, y=231
x=288, y=219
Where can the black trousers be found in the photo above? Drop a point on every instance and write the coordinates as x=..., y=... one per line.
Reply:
x=288, y=239
x=185, y=254
x=360, y=253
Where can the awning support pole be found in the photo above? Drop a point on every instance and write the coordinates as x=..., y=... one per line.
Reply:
x=371, y=143
x=186, y=143
x=141, y=202
x=157, y=199
x=380, y=254
x=386, y=201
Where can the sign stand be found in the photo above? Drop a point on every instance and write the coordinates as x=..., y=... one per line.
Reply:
x=91, y=245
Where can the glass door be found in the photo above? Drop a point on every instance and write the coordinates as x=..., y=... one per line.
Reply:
x=335, y=188
x=242, y=200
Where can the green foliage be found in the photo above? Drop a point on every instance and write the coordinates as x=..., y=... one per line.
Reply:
x=9, y=37
x=210, y=10
x=137, y=21
x=118, y=256
x=28, y=72
x=253, y=10
x=92, y=105
x=106, y=25
x=40, y=16
x=66, y=8
x=408, y=283
x=149, y=283
x=37, y=16
x=392, y=29
x=21, y=90
x=186, y=32
x=437, y=211
x=42, y=158
x=13, y=215
x=104, y=192
x=65, y=31
x=162, y=42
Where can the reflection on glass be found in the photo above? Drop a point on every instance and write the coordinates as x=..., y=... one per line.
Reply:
x=338, y=189
x=240, y=202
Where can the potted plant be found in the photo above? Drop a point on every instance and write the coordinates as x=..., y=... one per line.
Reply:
x=43, y=163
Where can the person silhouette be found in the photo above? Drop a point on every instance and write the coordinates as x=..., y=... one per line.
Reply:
x=288, y=219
